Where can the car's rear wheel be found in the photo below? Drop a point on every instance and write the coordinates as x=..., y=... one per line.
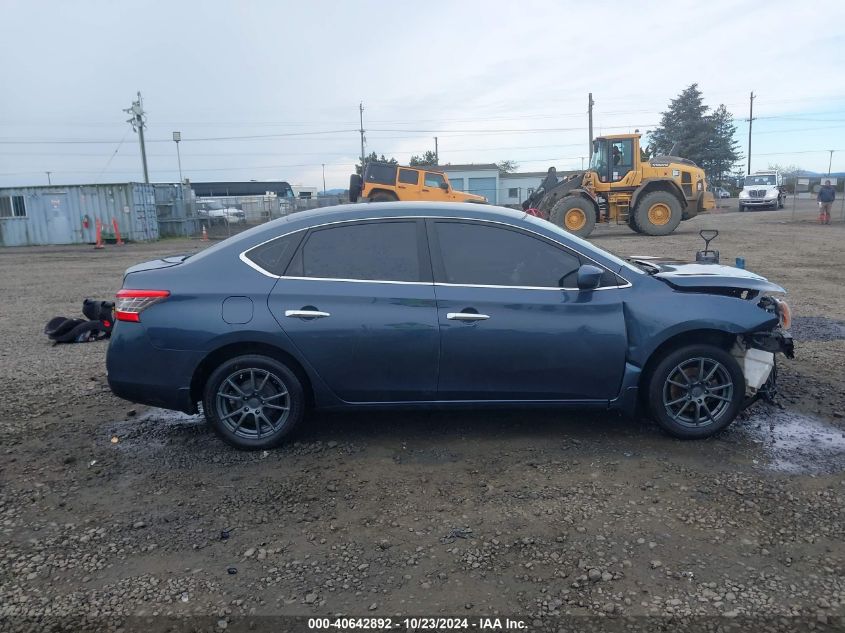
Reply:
x=253, y=401
x=696, y=391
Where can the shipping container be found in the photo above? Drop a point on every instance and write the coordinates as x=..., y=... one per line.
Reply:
x=32, y=216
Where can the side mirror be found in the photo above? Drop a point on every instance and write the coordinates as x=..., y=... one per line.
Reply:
x=444, y=186
x=589, y=277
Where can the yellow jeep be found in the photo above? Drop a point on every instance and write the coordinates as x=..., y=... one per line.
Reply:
x=386, y=182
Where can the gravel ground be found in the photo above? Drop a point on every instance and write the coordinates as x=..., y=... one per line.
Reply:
x=113, y=514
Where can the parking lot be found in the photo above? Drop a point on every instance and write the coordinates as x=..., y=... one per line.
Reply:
x=109, y=510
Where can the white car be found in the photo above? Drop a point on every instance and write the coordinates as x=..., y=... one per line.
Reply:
x=721, y=192
x=230, y=215
x=216, y=212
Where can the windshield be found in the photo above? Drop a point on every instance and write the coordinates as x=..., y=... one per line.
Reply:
x=598, y=162
x=757, y=180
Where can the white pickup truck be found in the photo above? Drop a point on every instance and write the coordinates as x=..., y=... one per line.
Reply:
x=762, y=189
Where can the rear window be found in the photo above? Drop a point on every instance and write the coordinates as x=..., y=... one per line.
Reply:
x=381, y=174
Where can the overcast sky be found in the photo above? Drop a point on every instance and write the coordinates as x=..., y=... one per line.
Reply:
x=493, y=80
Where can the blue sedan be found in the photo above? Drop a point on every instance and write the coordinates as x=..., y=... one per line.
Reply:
x=424, y=305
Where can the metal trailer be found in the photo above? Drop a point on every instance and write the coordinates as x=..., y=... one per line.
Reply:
x=44, y=215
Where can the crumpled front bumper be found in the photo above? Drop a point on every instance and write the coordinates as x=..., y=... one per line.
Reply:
x=776, y=341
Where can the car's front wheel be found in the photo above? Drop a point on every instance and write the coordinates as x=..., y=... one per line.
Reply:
x=253, y=401
x=696, y=391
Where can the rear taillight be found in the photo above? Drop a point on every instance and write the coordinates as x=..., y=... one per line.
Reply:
x=130, y=303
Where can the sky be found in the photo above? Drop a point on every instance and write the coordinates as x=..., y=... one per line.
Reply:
x=270, y=90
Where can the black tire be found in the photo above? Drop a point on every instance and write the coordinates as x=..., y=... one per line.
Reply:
x=356, y=184
x=253, y=402
x=741, y=208
x=383, y=196
x=576, y=211
x=679, y=401
x=632, y=222
x=669, y=207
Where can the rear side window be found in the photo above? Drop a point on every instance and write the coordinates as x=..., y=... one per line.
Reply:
x=275, y=255
x=379, y=251
x=381, y=174
x=409, y=176
x=477, y=254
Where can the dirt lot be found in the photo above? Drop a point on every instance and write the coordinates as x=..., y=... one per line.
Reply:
x=109, y=510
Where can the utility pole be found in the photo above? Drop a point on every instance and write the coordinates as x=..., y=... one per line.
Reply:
x=437, y=153
x=750, y=121
x=50, y=182
x=137, y=121
x=361, y=114
x=590, y=104
x=829, y=163
x=177, y=136
x=324, y=179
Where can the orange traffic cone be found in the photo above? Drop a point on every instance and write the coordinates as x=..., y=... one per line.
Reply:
x=99, y=243
x=204, y=234
x=116, y=231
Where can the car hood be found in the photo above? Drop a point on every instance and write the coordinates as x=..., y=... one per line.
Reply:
x=687, y=276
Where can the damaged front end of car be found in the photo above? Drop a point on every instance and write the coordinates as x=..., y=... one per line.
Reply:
x=757, y=351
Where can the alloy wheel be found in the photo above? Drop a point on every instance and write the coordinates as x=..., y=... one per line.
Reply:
x=697, y=392
x=253, y=403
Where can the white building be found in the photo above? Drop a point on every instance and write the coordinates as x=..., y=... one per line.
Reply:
x=500, y=188
x=304, y=193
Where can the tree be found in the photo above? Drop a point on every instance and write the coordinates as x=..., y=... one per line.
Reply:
x=787, y=171
x=723, y=150
x=790, y=174
x=688, y=129
x=429, y=159
x=507, y=166
x=374, y=158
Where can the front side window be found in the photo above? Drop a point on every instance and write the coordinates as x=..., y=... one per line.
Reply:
x=378, y=251
x=434, y=180
x=409, y=176
x=478, y=254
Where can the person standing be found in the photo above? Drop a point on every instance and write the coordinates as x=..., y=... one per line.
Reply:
x=827, y=194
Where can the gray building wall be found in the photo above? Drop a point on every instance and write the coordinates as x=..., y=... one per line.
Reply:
x=69, y=214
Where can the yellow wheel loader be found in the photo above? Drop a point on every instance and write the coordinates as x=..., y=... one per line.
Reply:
x=651, y=196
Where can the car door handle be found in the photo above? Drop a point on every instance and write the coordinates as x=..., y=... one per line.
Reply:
x=306, y=314
x=466, y=316
x=426, y=189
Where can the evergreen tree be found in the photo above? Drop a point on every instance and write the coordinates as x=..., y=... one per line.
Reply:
x=706, y=138
x=723, y=151
x=429, y=159
x=375, y=158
